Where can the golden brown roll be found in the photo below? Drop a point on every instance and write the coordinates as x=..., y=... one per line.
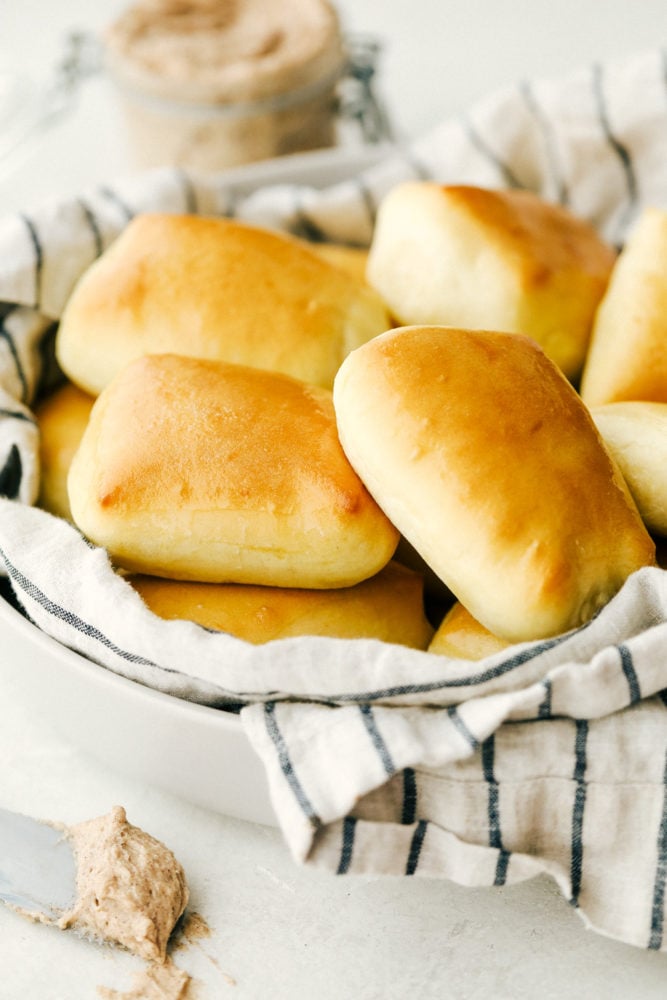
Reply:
x=636, y=435
x=484, y=457
x=202, y=470
x=214, y=288
x=389, y=607
x=469, y=257
x=627, y=358
x=350, y=259
x=62, y=418
x=461, y=636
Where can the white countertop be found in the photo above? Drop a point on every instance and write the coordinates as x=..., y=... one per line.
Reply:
x=277, y=930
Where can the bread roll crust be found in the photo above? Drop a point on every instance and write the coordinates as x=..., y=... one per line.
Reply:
x=636, y=435
x=472, y=257
x=388, y=607
x=627, y=358
x=62, y=418
x=207, y=471
x=487, y=461
x=352, y=259
x=218, y=289
x=461, y=636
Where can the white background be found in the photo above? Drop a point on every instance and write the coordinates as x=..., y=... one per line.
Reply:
x=438, y=56
x=279, y=931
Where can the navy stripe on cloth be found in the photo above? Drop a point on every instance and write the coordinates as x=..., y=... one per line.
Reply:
x=286, y=765
x=233, y=197
x=495, y=835
x=409, y=812
x=460, y=726
x=17, y=415
x=546, y=127
x=349, y=827
x=11, y=474
x=615, y=144
x=658, y=904
x=112, y=196
x=630, y=674
x=39, y=258
x=577, y=847
x=92, y=224
x=32, y=591
x=470, y=680
x=189, y=193
x=304, y=226
x=476, y=140
x=6, y=336
x=377, y=739
x=21, y=582
x=416, y=847
x=544, y=711
x=50, y=373
x=368, y=200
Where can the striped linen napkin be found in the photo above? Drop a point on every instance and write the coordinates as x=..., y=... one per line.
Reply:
x=549, y=757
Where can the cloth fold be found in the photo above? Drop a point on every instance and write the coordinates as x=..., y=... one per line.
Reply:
x=548, y=757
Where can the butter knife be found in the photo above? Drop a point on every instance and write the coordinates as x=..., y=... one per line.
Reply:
x=37, y=867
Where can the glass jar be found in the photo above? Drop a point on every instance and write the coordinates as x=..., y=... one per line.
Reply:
x=211, y=84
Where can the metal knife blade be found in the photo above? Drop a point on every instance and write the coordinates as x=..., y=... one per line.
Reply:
x=37, y=867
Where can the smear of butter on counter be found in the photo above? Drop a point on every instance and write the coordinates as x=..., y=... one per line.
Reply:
x=157, y=982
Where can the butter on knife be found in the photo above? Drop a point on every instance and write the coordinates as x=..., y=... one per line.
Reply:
x=105, y=878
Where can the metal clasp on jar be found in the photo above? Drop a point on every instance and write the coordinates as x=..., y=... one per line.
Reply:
x=357, y=99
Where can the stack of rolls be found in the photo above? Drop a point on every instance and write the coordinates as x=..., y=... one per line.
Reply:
x=196, y=440
x=258, y=430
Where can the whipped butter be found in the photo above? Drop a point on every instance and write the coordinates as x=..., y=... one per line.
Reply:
x=216, y=83
x=130, y=889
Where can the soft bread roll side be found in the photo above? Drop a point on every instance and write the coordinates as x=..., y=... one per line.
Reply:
x=484, y=457
x=351, y=259
x=62, y=418
x=207, y=471
x=214, y=288
x=636, y=435
x=461, y=636
x=469, y=257
x=388, y=607
x=627, y=358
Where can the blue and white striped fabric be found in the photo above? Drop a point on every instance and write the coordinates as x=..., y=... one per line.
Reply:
x=550, y=757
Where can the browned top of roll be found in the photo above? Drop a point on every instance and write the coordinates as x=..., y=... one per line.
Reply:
x=208, y=471
x=214, y=288
x=485, y=458
x=540, y=237
x=388, y=606
x=229, y=432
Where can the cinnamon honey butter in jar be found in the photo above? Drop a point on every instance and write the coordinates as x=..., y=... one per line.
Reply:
x=211, y=84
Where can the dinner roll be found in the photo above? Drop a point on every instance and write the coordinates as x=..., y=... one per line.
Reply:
x=636, y=435
x=61, y=417
x=503, y=260
x=627, y=357
x=389, y=607
x=461, y=636
x=351, y=259
x=202, y=470
x=214, y=288
x=484, y=457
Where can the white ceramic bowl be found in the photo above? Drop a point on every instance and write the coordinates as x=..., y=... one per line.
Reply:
x=197, y=753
